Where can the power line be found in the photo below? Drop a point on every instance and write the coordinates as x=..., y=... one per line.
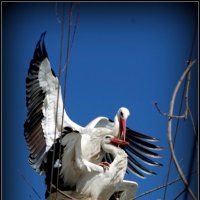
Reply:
x=28, y=183
x=67, y=58
x=162, y=186
x=69, y=47
x=59, y=75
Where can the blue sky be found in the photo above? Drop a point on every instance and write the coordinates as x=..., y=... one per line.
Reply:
x=124, y=54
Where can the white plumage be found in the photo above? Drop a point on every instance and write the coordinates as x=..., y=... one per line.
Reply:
x=101, y=186
x=86, y=148
x=82, y=145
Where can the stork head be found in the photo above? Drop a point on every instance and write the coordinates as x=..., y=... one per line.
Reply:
x=109, y=139
x=122, y=114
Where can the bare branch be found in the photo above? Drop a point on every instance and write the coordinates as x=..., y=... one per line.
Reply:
x=186, y=100
x=170, y=130
x=158, y=109
x=193, y=125
x=176, y=116
x=167, y=115
x=186, y=94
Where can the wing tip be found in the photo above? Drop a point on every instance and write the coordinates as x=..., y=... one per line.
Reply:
x=40, y=50
x=158, y=148
x=141, y=135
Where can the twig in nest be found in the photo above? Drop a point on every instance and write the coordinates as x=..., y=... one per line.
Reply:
x=64, y=194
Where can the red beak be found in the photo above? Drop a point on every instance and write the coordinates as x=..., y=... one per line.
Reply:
x=117, y=141
x=122, y=129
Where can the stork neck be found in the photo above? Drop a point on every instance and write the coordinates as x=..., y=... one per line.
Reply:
x=109, y=148
x=119, y=164
x=116, y=123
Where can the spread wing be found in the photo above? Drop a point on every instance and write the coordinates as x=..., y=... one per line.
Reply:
x=42, y=89
x=140, y=151
x=101, y=122
x=35, y=96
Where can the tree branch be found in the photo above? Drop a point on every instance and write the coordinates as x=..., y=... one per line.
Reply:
x=186, y=100
x=170, y=129
x=187, y=94
x=193, y=125
x=167, y=115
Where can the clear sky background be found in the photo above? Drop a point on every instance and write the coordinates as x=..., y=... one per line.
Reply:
x=124, y=54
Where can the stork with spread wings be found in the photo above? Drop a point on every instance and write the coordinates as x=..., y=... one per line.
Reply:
x=82, y=153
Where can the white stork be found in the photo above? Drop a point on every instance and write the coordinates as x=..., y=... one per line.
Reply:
x=83, y=151
x=42, y=87
x=101, y=186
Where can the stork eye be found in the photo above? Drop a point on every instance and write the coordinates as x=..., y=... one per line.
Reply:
x=107, y=137
x=121, y=113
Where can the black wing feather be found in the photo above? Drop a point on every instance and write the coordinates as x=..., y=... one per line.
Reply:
x=139, y=145
x=131, y=133
x=138, y=165
x=141, y=142
x=133, y=170
x=142, y=157
x=35, y=96
x=143, y=150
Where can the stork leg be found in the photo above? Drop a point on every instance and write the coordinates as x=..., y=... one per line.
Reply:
x=105, y=165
